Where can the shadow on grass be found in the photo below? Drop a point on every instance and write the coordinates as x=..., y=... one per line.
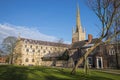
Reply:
x=13, y=73
x=42, y=73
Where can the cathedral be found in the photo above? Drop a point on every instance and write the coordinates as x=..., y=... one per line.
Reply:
x=43, y=53
x=78, y=34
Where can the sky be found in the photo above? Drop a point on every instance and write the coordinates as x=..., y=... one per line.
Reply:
x=48, y=20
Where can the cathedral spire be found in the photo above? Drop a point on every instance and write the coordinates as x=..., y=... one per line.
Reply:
x=78, y=22
x=79, y=34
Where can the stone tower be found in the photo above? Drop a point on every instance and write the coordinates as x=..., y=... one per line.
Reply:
x=78, y=34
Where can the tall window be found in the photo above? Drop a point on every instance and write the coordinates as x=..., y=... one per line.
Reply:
x=27, y=50
x=50, y=48
x=33, y=60
x=33, y=50
x=90, y=62
x=111, y=51
x=44, y=51
x=36, y=47
x=30, y=46
x=26, y=60
x=38, y=51
x=55, y=48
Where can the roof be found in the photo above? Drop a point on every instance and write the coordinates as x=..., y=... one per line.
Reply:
x=49, y=57
x=44, y=43
x=80, y=44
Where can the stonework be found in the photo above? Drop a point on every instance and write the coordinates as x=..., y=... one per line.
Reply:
x=30, y=52
x=78, y=33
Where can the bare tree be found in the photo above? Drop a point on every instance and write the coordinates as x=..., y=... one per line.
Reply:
x=106, y=11
x=9, y=45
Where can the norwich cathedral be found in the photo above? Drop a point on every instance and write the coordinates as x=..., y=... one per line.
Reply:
x=30, y=52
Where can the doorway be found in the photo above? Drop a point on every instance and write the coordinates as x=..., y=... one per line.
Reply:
x=99, y=62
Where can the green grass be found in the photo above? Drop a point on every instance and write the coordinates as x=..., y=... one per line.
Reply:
x=8, y=72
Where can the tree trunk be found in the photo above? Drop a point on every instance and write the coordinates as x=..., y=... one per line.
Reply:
x=82, y=58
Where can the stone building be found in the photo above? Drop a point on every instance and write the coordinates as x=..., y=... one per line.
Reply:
x=31, y=52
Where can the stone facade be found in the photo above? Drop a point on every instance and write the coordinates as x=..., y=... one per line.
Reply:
x=30, y=52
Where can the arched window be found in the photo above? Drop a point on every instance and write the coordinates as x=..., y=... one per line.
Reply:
x=33, y=60
x=26, y=60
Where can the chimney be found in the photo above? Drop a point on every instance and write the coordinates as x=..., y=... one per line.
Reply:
x=90, y=37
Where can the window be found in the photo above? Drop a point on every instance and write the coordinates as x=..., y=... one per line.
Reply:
x=36, y=47
x=25, y=41
x=44, y=51
x=27, y=50
x=90, y=60
x=41, y=47
x=55, y=48
x=111, y=51
x=30, y=46
x=25, y=46
x=50, y=48
x=26, y=60
x=33, y=50
x=38, y=51
x=33, y=60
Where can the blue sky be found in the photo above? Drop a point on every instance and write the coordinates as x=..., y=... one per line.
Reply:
x=54, y=18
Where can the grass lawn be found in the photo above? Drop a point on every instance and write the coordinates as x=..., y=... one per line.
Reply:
x=8, y=72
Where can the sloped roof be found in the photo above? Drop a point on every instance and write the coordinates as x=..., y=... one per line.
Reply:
x=80, y=44
x=45, y=43
x=49, y=57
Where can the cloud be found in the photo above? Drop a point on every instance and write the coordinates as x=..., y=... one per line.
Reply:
x=26, y=32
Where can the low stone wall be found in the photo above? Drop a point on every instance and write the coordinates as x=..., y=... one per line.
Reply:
x=55, y=63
